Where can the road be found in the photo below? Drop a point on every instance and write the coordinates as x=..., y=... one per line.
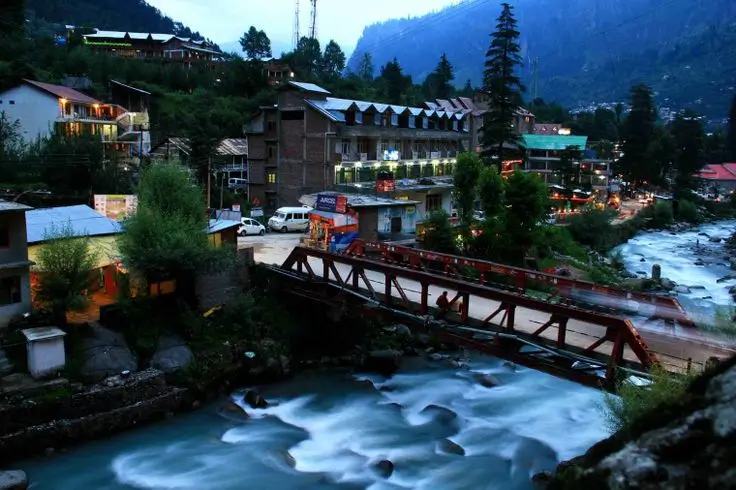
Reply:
x=672, y=345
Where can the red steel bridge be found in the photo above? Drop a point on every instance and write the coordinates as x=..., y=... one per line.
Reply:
x=545, y=333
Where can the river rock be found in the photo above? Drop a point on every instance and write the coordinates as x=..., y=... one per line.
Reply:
x=715, y=239
x=254, y=399
x=729, y=277
x=106, y=354
x=682, y=289
x=233, y=411
x=667, y=284
x=172, y=354
x=448, y=446
x=442, y=415
x=385, y=362
x=486, y=380
x=385, y=468
x=13, y=480
x=686, y=444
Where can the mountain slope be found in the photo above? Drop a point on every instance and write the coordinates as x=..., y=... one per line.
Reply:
x=588, y=50
x=113, y=15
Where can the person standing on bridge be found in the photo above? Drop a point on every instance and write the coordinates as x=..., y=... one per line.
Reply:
x=443, y=305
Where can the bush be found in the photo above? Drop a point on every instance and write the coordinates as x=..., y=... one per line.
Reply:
x=557, y=239
x=633, y=402
x=439, y=235
x=594, y=228
x=688, y=211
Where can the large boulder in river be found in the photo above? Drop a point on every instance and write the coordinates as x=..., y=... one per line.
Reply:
x=682, y=444
x=385, y=362
x=172, y=354
x=13, y=480
x=385, y=468
x=254, y=399
x=106, y=354
x=232, y=411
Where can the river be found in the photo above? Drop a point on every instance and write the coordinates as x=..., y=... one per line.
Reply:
x=337, y=426
x=689, y=259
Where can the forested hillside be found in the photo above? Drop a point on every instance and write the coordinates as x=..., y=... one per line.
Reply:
x=588, y=50
x=114, y=15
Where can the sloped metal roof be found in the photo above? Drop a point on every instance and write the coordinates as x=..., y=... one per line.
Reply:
x=553, y=142
x=63, y=92
x=233, y=146
x=217, y=225
x=334, y=108
x=309, y=87
x=84, y=221
x=10, y=206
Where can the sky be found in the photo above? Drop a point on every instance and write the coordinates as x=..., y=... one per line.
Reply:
x=224, y=21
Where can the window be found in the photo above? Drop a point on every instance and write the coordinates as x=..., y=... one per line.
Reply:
x=271, y=126
x=433, y=202
x=289, y=216
x=396, y=224
x=12, y=102
x=362, y=146
x=10, y=290
x=292, y=115
x=4, y=238
x=346, y=147
x=271, y=177
x=270, y=152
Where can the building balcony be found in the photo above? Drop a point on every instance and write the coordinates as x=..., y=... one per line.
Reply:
x=366, y=172
x=370, y=131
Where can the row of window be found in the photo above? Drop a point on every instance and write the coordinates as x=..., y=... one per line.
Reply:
x=350, y=175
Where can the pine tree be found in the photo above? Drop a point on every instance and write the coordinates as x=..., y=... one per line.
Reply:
x=366, y=68
x=638, y=135
x=731, y=135
x=333, y=60
x=395, y=83
x=445, y=75
x=502, y=84
x=688, y=132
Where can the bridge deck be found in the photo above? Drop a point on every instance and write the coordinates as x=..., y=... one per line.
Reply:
x=673, y=352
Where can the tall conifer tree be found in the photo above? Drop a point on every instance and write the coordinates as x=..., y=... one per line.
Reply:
x=502, y=84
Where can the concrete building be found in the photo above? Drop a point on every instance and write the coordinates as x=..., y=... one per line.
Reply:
x=544, y=152
x=278, y=72
x=475, y=109
x=15, y=284
x=102, y=231
x=721, y=177
x=151, y=46
x=43, y=109
x=310, y=141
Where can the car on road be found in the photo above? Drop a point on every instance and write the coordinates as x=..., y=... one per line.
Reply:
x=249, y=226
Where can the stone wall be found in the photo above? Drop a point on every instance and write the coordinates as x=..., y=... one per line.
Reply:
x=116, y=404
x=140, y=386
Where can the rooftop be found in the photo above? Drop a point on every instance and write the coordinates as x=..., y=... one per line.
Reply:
x=309, y=87
x=12, y=207
x=553, y=142
x=217, y=225
x=359, y=201
x=228, y=146
x=723, y=171
x=63, y=92
x=140, y=36
x=84, y=221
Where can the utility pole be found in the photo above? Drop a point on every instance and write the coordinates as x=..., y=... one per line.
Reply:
x=209, y=182
x=313, y=24
x=296, y=25
x=222, y=192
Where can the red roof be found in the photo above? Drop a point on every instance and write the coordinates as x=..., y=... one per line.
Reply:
x=723, y=171
x=64, y=92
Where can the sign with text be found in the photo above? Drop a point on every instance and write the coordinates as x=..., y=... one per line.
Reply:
x=116, y=207
x=256, y=212
x=331, y=203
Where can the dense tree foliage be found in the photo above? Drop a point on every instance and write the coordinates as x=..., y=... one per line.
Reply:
x=731, y=134
x=502, y=84
x=638, y=135
x=255, y=44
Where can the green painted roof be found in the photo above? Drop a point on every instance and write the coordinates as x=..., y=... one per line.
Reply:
x=553, y=142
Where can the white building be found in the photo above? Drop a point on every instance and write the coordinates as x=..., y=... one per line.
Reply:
x=44, y=108
x=15, y=285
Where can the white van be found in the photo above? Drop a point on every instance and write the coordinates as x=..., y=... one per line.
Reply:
x=237, y=185
x=290, y=219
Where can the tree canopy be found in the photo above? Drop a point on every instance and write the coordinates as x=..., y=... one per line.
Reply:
x=255, y=44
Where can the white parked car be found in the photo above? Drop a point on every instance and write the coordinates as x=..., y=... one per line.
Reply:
x=249, y=226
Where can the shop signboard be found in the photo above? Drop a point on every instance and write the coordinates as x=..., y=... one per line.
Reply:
x=117, y=207
x=385, y=182
x=331, y=203
x=256, y=212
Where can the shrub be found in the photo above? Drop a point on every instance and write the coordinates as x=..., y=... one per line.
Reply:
x=594, y=228
x=633, y=402
x=557, y=239
x=688, y=211
x=439, y=235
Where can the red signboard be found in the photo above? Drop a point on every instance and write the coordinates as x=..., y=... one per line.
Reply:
x=385, y=185
x=341, y=206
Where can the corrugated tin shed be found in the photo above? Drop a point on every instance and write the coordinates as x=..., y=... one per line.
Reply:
x=84, y=220
x=10, y=207
x=228, y=146
x=217, y=225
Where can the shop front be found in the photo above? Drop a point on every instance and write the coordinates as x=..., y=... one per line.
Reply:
x=332, y=226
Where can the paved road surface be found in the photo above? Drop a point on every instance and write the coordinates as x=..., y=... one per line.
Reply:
x=673, y=346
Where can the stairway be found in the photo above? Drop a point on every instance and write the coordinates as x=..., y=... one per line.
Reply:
x=6, y=367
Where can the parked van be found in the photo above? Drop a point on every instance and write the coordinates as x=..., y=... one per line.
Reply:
x=290, y=219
